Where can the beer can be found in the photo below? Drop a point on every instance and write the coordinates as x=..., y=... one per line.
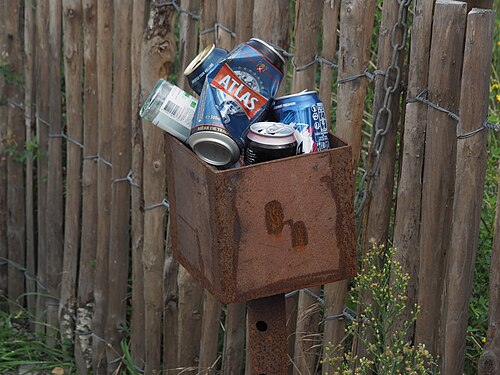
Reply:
x=235, y=94
x=306, y=113
x=170, y=108
x=202, y=64
x=269, y=141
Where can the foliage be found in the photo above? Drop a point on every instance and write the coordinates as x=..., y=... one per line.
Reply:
x=381, y=290
x=22, y=349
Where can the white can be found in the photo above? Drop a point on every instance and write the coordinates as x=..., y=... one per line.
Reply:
x=170, y=108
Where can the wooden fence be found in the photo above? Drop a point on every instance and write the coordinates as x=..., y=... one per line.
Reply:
x=84, y=235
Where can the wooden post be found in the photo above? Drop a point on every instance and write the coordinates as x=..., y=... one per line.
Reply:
x=439, y=158
x=489, y=363
x=224, y=29
x=156, y=62
x=29, y=120
x=54, y=214
x=208, y=18
x=137, y=332
x=120, y=197
x=209, y=332
x=12, y=42
x=356, y=24
x=244, y=15
x=234, y=340
x=42, y=134
x=188, y=39
x=86, y=276
x=471, y=169
x=408, y=208
x=104, y=93
x=331, y=12
x=4, y=247
x=73, y=71
x=307, y=29
x=270, y=24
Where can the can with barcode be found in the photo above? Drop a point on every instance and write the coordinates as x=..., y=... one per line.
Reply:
x=306, y=113
x=171, y=109
x=202, y=65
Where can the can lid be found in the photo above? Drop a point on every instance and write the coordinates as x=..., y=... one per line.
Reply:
x=198, y=60
x=215, y=148
x=271, y=133
x=272, y=49
x=303, y=92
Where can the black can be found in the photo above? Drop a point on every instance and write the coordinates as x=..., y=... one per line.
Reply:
x=269, y=52
x=267, y=141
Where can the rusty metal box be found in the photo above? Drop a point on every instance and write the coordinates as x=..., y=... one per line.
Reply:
x=268, y=228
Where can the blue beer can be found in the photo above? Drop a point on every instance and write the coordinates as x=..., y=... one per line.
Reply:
x=306, y=112
x=236, y=94
x=206, y=61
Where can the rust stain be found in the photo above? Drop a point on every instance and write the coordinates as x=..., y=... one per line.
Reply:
x=299, y=234
x=274, y=217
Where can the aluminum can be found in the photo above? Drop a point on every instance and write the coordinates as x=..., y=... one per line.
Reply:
x=202, y=65
x=235, y=94
x=269, y=141
x=306, y=113
x=170, y=108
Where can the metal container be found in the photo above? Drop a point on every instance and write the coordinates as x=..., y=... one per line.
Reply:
x=306, y=113
x=170, y=108
x=236, y=94
x=202, y=65
x=263, y=229
x=269, y=141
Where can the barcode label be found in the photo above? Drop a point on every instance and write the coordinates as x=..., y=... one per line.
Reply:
x=179, y=106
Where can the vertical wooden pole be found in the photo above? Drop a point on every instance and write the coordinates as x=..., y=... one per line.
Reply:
x=208, y=18
x=234, y=340
x=104, y=84
x=209, y=331
x=4, y=248
x=331, y=10
x=54, y=214
x=272, y=24
x=137, y=333
x=439, y=175
x=356, y=24
x=42, y=134
x=226, y=17
x=489, y=363
x=408, y=208
x=188, y=39
x=13, y=93
x=244, y=15
x=471, y=169
x=29, y=117
x=156, y=62
x=73, y=70
x=120, y=197
x=307, y=29
x=86, y=276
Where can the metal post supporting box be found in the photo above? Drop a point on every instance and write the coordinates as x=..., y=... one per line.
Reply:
x=260, y=230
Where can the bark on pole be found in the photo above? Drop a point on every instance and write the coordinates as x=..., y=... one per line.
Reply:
x=489, y=363
x=408, y=208
x=224, y=28
x=272, y=24
x=29, y=120
x=104, y=93
x=42, y=134
x=208, y=18
x=137, y=333
x=73, y=71
x=120, y=196
x=12, y=41
x=4, y=247
x=86, y=276
x=244, y=15
x=470, y=173
x=157, y=57
x=54, y=214
x=439, y=175
x=356, y=24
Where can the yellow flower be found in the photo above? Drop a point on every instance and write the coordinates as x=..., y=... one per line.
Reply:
x=498, y=97
x=498, y=43
x=484, y=340
x=495, y=86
